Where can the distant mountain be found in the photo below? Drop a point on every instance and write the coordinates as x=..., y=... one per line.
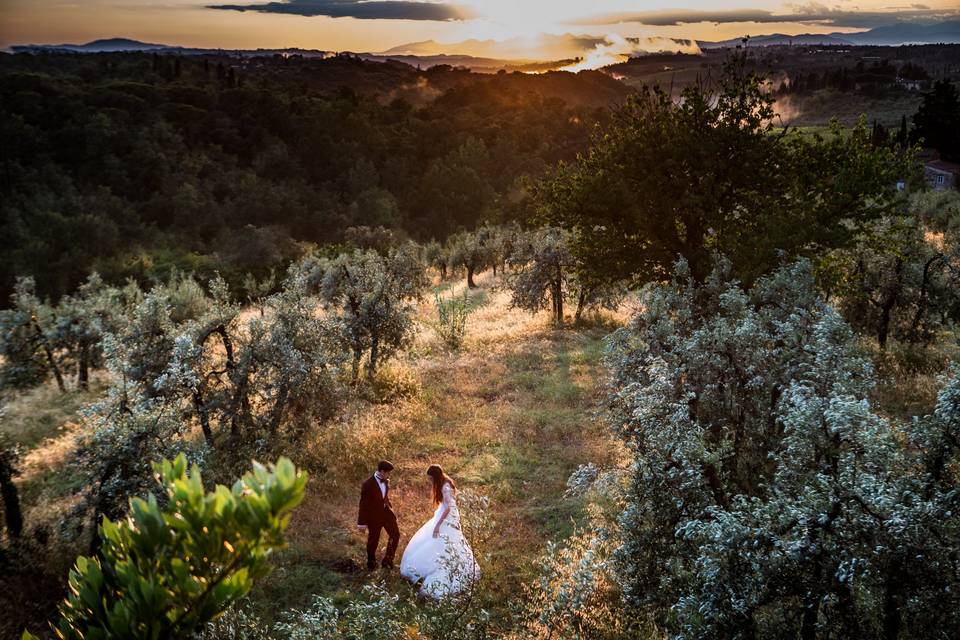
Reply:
x=425, y=57
x=891, y=35
x=118, y=45
x=908, y=33
x=779, y=39
x=106, y=45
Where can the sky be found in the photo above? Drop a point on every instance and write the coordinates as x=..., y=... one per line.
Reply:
x=523, y=27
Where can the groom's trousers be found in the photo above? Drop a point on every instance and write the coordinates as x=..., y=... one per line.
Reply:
x=389, y=523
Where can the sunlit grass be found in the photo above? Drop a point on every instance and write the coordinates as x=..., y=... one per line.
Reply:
x=510, y=415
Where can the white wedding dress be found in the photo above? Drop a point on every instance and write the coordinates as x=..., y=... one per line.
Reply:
x=445, y=564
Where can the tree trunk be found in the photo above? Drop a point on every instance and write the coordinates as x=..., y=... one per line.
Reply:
x=11, y=501
x=238, y=403
x=922, y=301
x=279, y=407
x=886, y=309
x=51, y=361
x=470, y=283
x=374, y=356
x=558, y=296
x=892, y=603
x=204, y=417
x=355, y=368
x=808, y=624
x=581, y=304
x=83, y=368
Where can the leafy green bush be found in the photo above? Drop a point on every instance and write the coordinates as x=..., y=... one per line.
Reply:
x=168, y=570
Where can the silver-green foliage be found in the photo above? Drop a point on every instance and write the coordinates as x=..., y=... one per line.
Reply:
x=240, y=380
x=472, y=251
x=545, y=274
x=767, y=496
x=26, y=344
x=369, y=297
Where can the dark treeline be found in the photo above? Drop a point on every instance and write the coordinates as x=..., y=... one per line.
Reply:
x=867, y=78
x=137, y=165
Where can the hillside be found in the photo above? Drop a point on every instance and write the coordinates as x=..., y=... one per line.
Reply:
x=510, y=416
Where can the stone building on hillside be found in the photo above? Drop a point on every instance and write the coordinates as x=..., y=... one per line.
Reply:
x=941, y=175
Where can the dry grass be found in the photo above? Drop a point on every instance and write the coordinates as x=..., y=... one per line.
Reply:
x=36, y=415
x=509, y=415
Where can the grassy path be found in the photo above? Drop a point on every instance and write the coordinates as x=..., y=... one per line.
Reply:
x=510, y=415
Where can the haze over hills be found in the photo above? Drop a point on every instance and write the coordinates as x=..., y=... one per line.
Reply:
x=118, y=45
x=891, y=35
x=545, y=52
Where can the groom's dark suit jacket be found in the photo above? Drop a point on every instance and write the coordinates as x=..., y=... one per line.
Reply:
x=374, y=506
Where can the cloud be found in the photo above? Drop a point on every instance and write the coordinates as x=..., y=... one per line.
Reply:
x=614, y=49
x=809, y=13
x=543, y=46
x=363, y=9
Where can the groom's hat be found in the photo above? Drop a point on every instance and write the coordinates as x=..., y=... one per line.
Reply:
x=384, y=465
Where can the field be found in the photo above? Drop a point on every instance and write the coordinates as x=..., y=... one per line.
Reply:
x=510, y=415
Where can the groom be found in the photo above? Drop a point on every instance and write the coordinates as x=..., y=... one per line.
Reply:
x=376, y=513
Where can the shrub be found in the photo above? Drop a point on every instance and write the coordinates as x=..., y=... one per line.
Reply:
x=767, y=497
x=452, y=319
x=167, y=571
x=396, y=382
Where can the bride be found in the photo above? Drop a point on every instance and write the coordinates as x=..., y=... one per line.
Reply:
x=438, y=554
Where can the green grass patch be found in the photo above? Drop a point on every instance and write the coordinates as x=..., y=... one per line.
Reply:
x=32, y=416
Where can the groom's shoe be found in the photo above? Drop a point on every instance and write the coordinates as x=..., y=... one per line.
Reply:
x=387, y=564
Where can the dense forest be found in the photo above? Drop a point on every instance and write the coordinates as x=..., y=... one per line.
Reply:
x=136, y=165
x=695, y=373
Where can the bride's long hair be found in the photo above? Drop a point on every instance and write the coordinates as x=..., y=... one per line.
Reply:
x=439, y=478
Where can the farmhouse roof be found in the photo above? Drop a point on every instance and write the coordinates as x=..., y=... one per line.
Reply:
x=943, y=165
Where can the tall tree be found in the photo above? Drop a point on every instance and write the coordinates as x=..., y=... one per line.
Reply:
x=711, y=174
x=937, y=120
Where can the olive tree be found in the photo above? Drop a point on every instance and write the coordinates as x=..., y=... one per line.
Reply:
x=237, y=380
x=437, y=256
x=767, y=497
x=544, y=273
x=27, y=341
x=895, y=282
x=81, y=320
x=369, y=297
x=472, y=252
